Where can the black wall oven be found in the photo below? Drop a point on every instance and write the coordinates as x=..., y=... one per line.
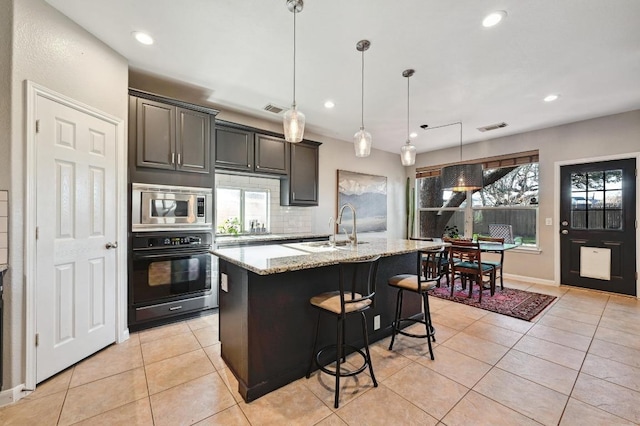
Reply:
x=170, y=274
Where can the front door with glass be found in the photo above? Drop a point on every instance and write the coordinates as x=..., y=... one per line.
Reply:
x=597, y=226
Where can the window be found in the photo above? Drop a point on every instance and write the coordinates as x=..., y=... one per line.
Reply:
x=241, y=211
x=596, y=200
x=509, y=197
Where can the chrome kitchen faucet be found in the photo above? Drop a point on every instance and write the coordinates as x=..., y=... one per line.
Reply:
x=354, y=236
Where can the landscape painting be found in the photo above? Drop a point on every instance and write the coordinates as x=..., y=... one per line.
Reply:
x=368, y=194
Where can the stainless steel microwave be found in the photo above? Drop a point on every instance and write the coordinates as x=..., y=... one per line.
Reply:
x=166, y=208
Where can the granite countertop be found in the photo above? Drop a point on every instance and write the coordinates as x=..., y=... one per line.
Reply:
x=249, y=238
x=276, y=258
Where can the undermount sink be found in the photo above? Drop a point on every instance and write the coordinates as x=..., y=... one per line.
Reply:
x=340, y=243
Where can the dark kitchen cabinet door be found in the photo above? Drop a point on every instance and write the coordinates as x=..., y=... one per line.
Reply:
x=192, y=141
x=301, y=188
x=156, y=136
x=234, y=149
x=271, y=155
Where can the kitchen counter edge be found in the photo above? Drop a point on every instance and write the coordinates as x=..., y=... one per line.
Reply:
x=268, y=266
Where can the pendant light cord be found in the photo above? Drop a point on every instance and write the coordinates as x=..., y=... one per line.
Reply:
x=362, y=97
x=294, y=55
x=460, y=140
x=447, y=125
x=408, y=140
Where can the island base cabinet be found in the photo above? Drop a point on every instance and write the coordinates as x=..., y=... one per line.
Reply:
x=267, y=324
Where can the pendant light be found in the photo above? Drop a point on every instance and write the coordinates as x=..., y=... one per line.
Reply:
x=461, y=177
x=362, y=138
x=293, y=119
x=408, y=151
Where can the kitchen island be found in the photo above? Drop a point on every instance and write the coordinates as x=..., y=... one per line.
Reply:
x=266, y=320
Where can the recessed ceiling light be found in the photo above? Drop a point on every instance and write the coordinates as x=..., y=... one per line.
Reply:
x=413, y=135
x=329, y=104
x=551, y=98
x=493, y=18
x=143, y=38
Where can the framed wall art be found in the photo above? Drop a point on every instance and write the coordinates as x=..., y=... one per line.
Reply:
x=368, y=195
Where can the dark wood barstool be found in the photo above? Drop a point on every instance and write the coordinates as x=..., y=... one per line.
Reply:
x=424, y=280
x=355, y=296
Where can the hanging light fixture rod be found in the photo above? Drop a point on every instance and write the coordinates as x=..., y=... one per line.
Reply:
x=362, y=46
x=461, y=177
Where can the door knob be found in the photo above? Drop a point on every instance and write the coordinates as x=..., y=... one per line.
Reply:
x=111, y=245
x=565, y=223
x=565, y=232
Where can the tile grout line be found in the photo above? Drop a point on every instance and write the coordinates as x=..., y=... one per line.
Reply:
x=580, y=370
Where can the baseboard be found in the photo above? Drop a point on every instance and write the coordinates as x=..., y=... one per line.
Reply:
x=531, y=280
x=9, y=396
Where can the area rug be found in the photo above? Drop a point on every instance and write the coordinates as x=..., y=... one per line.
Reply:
x=510, y=301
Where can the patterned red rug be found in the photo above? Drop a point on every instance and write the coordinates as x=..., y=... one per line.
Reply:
x=510, y=301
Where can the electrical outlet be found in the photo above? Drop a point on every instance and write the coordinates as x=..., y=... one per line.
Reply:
x=376, y=322
x=224, y=283
x=548, y=221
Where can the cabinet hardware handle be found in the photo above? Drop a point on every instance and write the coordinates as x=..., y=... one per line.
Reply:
x=173, y=158
x=179, y=159
x=175, y=308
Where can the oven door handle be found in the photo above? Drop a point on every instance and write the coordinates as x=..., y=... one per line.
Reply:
x=172, y=254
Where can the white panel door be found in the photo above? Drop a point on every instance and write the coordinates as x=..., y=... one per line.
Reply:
x=76, y=220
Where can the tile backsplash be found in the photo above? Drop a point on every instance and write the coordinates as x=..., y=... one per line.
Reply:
x=4, y=226
x=282, y=219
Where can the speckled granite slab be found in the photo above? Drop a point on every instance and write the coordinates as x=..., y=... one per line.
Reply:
x=240, y=239
x=273, y=259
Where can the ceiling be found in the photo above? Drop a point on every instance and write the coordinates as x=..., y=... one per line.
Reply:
x=241, y=52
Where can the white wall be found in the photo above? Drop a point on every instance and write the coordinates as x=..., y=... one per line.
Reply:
x=598, y=137
x=53, y=51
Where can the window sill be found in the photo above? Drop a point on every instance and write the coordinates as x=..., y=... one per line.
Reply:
x=526, y=250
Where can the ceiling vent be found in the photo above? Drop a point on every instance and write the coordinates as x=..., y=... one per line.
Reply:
x=273, y=108
x=493, y=127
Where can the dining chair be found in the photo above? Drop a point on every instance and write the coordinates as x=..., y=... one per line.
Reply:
x=465, y=260
x=498, y=230
x=441, y=268
x=497, y=264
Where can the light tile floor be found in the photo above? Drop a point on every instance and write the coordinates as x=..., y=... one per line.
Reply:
x=578, y=363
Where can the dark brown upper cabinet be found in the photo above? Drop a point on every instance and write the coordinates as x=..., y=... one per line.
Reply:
x=301, y=188
x=271, y=154
x=247, y=151
x=234, y=149
x=172, y=138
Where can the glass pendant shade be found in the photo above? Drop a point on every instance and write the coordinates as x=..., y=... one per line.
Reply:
x=293, y=125
x=462, y=177
x=408, y=151
x=408, y=154
x=362, y=138
x=362, y=143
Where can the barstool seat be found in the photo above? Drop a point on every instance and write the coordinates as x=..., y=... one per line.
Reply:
x=425, y=279
x=356, y=292
x=331, y=302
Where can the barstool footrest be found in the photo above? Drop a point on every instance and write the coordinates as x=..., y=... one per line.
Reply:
x=348, y=372
x=432, y=330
